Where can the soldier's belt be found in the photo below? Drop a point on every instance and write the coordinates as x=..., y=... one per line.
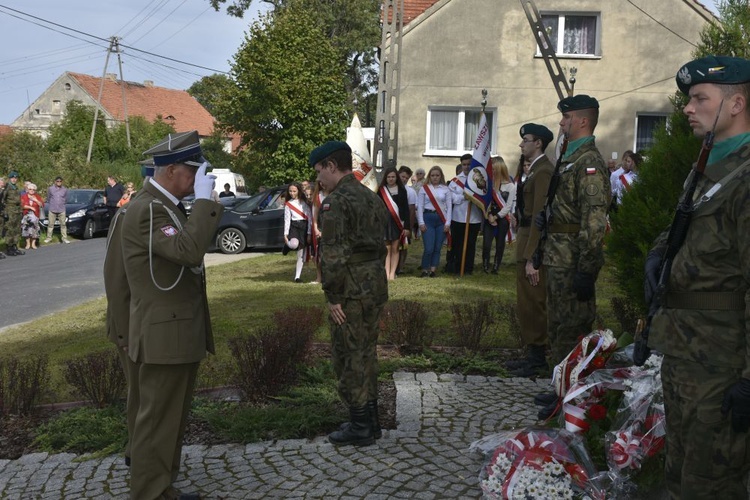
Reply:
x=564, y=228
x=714, y=301
x=358, y=258
x=524, y=222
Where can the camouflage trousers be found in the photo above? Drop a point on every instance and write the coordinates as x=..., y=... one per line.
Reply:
x=13, y=227
x=354, y=351
x=705, y=457
x=567, y=317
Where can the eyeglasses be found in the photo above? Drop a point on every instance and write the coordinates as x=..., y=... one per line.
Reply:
x=528, y=140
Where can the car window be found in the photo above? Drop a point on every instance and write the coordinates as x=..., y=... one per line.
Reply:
x=99, y=199
x=267, y=200
x=78, y=197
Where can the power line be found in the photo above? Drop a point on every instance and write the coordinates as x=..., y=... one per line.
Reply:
x=102, y=39
x=15, y=73
x=151, y=13
x=46, y=53
x=662, y=24
x=160, y=22
x=182, y=28
x=133, y=18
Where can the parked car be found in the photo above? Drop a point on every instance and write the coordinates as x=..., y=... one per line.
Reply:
x=227, y=201
x=86, y=212
x=255, y=222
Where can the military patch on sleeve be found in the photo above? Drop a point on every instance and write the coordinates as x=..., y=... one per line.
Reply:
x=590, y=170
x=325, y=207
x=592, y=190
x=169, y=231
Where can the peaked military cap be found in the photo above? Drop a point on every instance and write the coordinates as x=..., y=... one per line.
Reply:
x=576, y=102
x=538, y=130
x=182, y=147
x=322, y=152
x=721, y=70
x=12, y=174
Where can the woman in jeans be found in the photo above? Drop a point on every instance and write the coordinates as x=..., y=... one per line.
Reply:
x=434, y=208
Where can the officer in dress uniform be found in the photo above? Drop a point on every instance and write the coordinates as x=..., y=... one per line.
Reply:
x=574, y=249
x=531, y=284
x=702, y=324
x=168, y=326
x=352, y=219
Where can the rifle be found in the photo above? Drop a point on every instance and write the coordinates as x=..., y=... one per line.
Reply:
x=676, y=237
x=536, y=257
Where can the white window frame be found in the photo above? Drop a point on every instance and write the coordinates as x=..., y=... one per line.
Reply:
x=459, y=130
x=638, y=115
x=561, y=34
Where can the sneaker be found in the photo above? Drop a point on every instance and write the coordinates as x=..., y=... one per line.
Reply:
x=432, y=274
x=48, y=240
x=297, y=280
x=66, y=241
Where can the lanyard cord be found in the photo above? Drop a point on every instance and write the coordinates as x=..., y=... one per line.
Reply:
x=150, y=245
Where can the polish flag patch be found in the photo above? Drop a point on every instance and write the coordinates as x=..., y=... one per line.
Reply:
x=590, y=170
x=169, y=231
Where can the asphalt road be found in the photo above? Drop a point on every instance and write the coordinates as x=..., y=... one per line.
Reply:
x=56, y=276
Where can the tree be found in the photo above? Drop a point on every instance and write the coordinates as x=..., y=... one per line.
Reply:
x=208, y=90
x=288, y=96
x=352, y=27
x=648, y=208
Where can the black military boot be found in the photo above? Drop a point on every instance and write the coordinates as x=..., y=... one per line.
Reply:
x=377, y=432
x=12, y=252
x=18, y=251
x=536, y=362
x=545, y=399
x=486, y=265
x=359, y=432
x=2, y=255
x=496, y=264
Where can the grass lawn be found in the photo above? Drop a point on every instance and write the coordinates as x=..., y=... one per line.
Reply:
x=244, y=294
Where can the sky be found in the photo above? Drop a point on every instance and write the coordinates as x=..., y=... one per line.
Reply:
x=33, y=55
x=35, y=52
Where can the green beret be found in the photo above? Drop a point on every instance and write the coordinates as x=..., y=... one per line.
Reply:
x=322, y=152
x=580, y=101
x=721, y=70
x=13, y=173
x=540, y=131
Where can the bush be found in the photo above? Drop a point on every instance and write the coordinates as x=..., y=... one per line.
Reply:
x=405, y=324
x=85, y=430
x=98, y=377
x=472, y=322
x=627, y=314
x=269, y=361
x=507, y=314
x=22, y=384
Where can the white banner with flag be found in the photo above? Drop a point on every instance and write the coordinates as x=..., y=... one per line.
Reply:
x=479, y=182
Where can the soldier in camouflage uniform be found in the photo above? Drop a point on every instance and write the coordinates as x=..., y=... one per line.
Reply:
x=2, y=213
x=703, y=320
x=353, y=252
x=573, y=252
x=12, y=203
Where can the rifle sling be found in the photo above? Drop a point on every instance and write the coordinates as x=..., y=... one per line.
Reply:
x=709, y=301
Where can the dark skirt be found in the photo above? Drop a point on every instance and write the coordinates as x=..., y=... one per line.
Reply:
x=298, y=229
x=392, y=232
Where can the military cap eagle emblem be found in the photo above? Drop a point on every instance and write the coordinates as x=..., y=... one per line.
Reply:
x=684, y=76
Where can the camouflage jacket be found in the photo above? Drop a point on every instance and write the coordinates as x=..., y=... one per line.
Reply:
x=715, y=257
x=579, y=212
x=352, y=255
x=12, y=198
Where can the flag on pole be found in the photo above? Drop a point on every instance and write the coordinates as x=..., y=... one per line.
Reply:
x=479, y=187
x=361, y=161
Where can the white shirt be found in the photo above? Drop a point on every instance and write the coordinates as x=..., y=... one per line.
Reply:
x=613, y=179
x=290, y=215
x=443, y=197
x=511, y=189
x=411, y=195
x=461, y=204
x=618, y=188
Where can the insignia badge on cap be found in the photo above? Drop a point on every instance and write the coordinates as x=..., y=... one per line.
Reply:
x=169, y=231
x=684, y=76
x=716, y=71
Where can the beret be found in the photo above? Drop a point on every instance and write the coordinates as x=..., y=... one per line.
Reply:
x=322, y=152
x=576, y=102
x=182, y=147
x=538, y=130
x=13, y=173
x=721, y=70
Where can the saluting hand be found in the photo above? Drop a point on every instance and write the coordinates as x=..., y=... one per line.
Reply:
x=204, y=184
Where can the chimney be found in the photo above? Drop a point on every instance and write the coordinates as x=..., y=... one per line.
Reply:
x=148, y=83
x=111, y=76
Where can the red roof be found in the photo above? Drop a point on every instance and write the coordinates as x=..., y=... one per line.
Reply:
x=413, y=8
x=5, y=130
x=175, y=107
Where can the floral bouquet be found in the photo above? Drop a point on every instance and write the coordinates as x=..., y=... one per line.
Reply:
x=589, y=355
x=536, y=463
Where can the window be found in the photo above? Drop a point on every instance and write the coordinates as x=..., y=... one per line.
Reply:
x=577, y=34
x=645, y=126
x=452, y=131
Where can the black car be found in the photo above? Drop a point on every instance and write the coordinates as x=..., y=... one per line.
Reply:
x=254, y=222
x=86, y=212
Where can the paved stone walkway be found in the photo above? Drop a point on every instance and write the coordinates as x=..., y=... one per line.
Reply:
x=426, y=457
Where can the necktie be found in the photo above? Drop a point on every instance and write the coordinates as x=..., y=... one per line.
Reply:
x=182, y=209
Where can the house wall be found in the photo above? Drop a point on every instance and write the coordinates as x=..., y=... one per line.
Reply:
x=459, y=47
x=44, y=111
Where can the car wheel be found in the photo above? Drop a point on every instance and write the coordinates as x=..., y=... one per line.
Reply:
x=231, y=241
x=89, y=230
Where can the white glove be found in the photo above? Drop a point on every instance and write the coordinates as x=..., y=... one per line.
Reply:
x=204, y=184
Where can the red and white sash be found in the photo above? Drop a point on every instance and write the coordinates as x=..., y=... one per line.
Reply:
x=458, y=182
x=393, y=209
x=428, y=191
x=296, y=210
x=625, y=183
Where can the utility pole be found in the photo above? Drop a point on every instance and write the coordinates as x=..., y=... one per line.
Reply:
x=99, y=99
x=122, y=86
x=389, y=81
